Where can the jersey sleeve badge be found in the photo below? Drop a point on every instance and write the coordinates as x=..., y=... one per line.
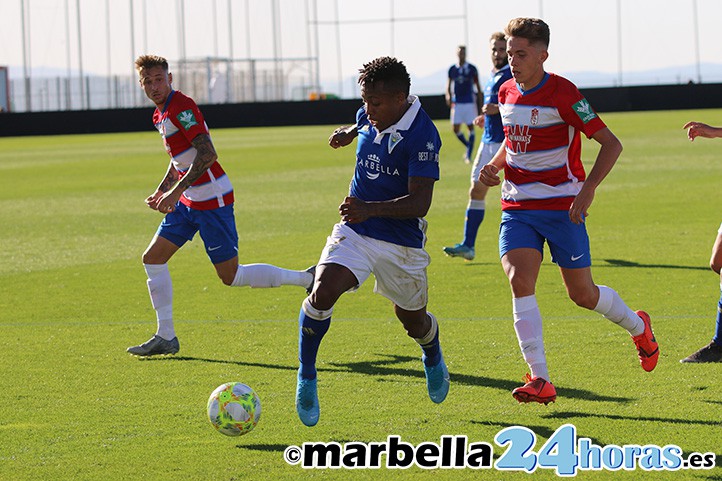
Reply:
x=584, y=111
x=187, y=119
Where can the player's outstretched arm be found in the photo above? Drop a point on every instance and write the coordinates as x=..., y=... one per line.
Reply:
x=607, y=157
x=343, y=136
x=699, y=129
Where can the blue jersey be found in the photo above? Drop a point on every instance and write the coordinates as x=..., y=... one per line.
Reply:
x=385, y=161
x=463, y=78
x=493, y=128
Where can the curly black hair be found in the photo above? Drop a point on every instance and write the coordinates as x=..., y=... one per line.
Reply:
x=388, y=70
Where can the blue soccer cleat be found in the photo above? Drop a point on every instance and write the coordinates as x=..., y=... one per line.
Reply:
x=460, y=250
x=307, y=401
x=437, y=381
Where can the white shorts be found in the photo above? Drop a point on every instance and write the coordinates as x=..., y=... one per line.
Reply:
x=485, y=153
x=400, y=271
x=463, y=113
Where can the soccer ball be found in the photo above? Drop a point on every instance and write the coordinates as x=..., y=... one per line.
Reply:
x=234, y=409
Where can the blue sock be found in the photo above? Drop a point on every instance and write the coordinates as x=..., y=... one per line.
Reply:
x=461, y=137
x=474, y=218
x=311, y=331
x=717, y=339
x=470, y=145
x=431, y=348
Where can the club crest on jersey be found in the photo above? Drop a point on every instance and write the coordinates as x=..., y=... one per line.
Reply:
x=519, y=138
x=584, y=110
x=187, y=119
x=393, y=140
x=534, y=116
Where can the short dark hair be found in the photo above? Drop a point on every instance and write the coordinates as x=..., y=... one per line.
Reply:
x=532, y=29
x=388, y=70
x=150, y=61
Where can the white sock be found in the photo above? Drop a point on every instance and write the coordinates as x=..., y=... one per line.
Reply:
x=313, y=313
x=528, y=327
x=422, y=341
x=266, y=275
x=612, y=307
x=161, y=297
x=476, y=204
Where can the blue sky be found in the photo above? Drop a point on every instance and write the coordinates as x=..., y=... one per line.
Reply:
x=587, y=35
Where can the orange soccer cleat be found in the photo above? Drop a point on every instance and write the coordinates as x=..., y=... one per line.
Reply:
x=536, y=389
x=647, y=346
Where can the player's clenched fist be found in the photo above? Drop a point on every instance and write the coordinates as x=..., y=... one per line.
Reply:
x=489, y=175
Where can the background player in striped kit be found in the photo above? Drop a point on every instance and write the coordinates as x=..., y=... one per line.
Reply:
x=195, y=195
x=712, y=352
x=545, y=198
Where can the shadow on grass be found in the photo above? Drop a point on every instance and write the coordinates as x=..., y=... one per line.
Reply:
x=569, y=415
x=277, y=448
x=386, y=367
x=219, y=361
x=539, y=431
x=623, y=263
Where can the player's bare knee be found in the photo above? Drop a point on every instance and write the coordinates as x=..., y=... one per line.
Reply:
x=149, y=258
x=226, y=278
x=521, y=285
x=322, y=298
x=585, y=298
x=715, y=266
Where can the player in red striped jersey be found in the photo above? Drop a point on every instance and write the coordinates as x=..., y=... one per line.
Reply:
x=195, y=195
x=712, y=352
x=545, y=198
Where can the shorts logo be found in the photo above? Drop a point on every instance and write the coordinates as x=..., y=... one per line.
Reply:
x=576, y=258
x=187, y=119
x=584, y=111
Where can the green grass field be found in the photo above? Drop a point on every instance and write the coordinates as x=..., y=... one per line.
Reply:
x=75, y=406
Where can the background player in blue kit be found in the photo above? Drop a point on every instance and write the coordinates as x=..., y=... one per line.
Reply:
x=195, y=195
x=463, y=99
x=493, y=136
x=382, y=229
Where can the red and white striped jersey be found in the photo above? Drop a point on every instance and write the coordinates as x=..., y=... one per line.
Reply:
x=179, y=123
x=544, y=168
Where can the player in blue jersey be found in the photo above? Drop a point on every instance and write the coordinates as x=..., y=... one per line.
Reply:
x=382, y=227
x=463, y=99
x=490, y=120
x=712, y=352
